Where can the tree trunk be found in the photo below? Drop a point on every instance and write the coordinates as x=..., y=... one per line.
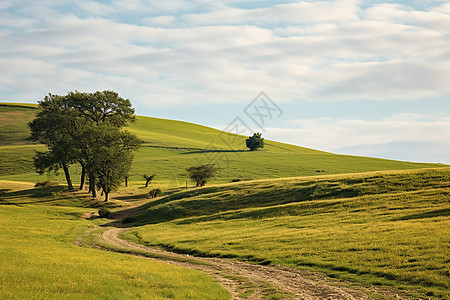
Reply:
x=92, y=188
x=126, y=181
x=66, y=172
x=146, y=183
x=106, y=196
x=90, y=182
x=94, y=192
x=83, y=175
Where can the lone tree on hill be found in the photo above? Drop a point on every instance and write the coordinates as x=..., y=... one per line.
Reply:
x=201, y=174
x=148, y=179
x=254, y=142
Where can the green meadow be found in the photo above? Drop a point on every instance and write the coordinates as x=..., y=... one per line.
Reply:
x=39, y=258
x=382, y=228
x=368, y=221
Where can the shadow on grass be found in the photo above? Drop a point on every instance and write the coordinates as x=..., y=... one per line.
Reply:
x=52, y=195
x=214, y=151
x=269, y=199
x=170, y=147
x=228, y=202
x=132, y=197
x=17, y=197
x=429, y=214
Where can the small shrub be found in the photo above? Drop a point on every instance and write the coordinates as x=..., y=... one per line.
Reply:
x=148, y=179
x=154, y=193
x=103, y=212
x=254, y=142
x=241, y=179
x=45, y=183
x=201, y=174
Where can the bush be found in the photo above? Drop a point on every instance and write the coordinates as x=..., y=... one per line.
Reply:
x=254, y=142
x=148, y=179
x=45, y=183
x=103, y=212
x=201, y=174
x=241, y=179
x=154, y=193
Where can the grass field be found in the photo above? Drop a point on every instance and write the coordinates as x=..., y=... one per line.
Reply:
x=385, y=228
x=370, y=221
x=39, y=258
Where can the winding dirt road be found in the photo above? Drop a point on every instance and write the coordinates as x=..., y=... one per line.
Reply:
x=239, y=277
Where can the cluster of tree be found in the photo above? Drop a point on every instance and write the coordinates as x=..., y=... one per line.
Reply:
x=86, y=129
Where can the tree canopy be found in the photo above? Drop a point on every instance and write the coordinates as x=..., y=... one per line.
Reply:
x=86, y=128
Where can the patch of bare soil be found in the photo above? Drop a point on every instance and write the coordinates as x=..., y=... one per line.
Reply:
x=89, y=215
x=248, y=281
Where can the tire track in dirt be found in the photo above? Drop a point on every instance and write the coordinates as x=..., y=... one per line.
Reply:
x=233, y=274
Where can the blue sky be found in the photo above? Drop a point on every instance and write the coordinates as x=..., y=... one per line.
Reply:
x=354, y=77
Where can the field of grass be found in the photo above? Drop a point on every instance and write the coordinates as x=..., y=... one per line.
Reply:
x=172, y=146
x=14, y=120
x=39, y=258
x=367, y=220
x=382, y=228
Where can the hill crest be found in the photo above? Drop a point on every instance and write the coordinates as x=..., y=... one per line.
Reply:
x=170, y=147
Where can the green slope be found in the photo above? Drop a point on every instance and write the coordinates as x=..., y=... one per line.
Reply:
x=172, y=146
x=40, y=259
x=377, y=228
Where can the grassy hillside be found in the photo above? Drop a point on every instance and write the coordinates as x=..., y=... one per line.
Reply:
x=39, y=258
x=382, y=228
x=172, y=146
x=387, y=226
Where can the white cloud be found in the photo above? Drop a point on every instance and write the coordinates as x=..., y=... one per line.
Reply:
x=302, y=12
x=163, y=21
x=192, y=53
x=95, y=8
x=374, y=138
x=320, y=51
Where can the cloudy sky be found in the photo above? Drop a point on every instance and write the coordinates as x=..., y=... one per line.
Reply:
x=364, y=77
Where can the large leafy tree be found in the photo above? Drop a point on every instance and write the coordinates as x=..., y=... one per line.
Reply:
x=113, y=152
x=52, y=127
x=86, y=128
x=97, y=109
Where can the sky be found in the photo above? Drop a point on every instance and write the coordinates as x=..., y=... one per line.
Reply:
x=360, y=77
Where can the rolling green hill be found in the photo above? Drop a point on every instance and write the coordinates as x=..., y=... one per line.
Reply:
x=367, y=220
x=172, y=146
x=376, y=228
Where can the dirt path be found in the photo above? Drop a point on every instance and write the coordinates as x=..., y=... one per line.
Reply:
x=242, y=278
